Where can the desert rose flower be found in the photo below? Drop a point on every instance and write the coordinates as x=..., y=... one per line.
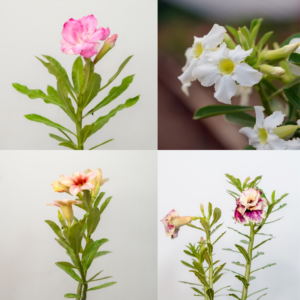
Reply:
x=97, y=181
x=250, y=207
x=66, y=208
x=295, y=69
x=194, y=54
x=79, y=182
x=59, y=187
x=82, y=36
x=173, y=222
x=266, y=135
x=108, y=45
x=223, y=68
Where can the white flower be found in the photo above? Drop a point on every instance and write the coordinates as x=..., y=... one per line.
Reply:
x=263, y=136
x=295, y=69
x=223, y=68
x=244, y=92
x=194, y=54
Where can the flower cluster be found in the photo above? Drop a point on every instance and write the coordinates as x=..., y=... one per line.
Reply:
x=266, y=135
x=211, y=62
x=250, y=207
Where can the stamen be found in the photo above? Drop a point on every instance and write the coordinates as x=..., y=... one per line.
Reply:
x=226, y=66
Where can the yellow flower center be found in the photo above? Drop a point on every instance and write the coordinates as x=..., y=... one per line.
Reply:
x=262, y=135
x=226, y=66
x=197, y=50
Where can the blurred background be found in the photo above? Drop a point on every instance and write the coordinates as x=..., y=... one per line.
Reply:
x=178, y=22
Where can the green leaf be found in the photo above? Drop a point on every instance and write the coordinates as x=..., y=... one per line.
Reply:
x=56, y=229
x=98, y=199
x=217, y=216
x=190, y=283
x=262, y=243
x=101, y=144
x=67, y=264
x=274, y=221
x=72, y=296
x=258, y=254
x=220, y=268
x=68, y=144
x=280, y=207
x=210, y=293
x=94, y=276
x=294, y=58
x=75, y=237
x=91, y=90
x=245, y=242
x=70, y=272
x=244, y=252
x=235, y=296
x=207, y=257
x=201, y=278
x=263, y=40
x=234, y=181
x=233, y=272
x=124, y=63
x=199, y=267
x=215, y=110
x=89, y=253
x=234, y=32
x=102, y=278
x=104, y=119
x=188, y=265
x=243, y=280
x=103, y=206
x=88, y=71
x=285, y=87
x=93, y=220
x=205, y=225
x=228, y=249
x=58, y=138
x=241, y=118
x=239, y=264
x=66, y=246
x=217, y=278
x=86, y=131
x=293, y=97
x=219, y=237
x=102, y=286
x=262, y=296
x=287, y=41
x=40, y=119
x=101, y=253
x=267, y=266
x=197, y=291
x=113, y=94
x=215, y=229
x=245, y=235
x=77, y=74
x=210, y=248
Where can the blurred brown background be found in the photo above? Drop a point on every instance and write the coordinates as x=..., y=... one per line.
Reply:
x=178, y=22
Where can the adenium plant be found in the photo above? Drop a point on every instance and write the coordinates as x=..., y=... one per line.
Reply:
x=252, y=210
x=75, y=235
x=80, y=37
x=235, y=62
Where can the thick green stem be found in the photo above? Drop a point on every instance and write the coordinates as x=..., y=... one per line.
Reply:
x=82, y=274
x=264, y=99
x=78, y=128
x=79, y=289
x=248, y=265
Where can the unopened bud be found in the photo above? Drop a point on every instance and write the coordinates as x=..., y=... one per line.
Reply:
x=282, y=52
x=108, y=44
x=285, y=131
x=270, y=70
x=229, y=42
x=61, y=219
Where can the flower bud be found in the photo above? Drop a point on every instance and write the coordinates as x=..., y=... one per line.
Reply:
x=202, y=210
x=282, y=52
x=285, y=131
x=108, y=44
x=229, y=42
x=59, y=187
x=270, y=70
x=61, y=219
x=202, y=240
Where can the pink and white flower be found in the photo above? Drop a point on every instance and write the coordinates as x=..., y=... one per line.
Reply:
x=173, y=222
x=59, y=187
x=66, y=208
x=250, y=207
x=82, y=36
x=79, y=182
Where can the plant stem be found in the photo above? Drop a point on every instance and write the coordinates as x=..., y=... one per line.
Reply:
x=264, y=99
x=82, y=274
x=248, y=265
x=78, y=128
x=211, y=270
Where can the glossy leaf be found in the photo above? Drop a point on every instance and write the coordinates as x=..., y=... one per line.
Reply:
x=98, y=199
x=70, y=272
x=75, y=237
x=88, y=71
x=104, y=205
x=287, y=41
x=93, y=220
x=40, y=119
x=91, y=90
x=102, y=286
x=124, y=63
x=113, y=94
x=241, y=119
x=56, y=229
x=294, y=58
x=293, y=97
x=77, y=74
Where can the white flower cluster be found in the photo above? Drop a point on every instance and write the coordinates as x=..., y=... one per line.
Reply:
x=212, y=63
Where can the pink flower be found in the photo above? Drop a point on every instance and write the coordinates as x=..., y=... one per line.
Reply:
x=97, y=181
x=81, y=36
x=66, y=208
x=108, y=45
x=250, y=207
x=79, y=181
x=173, y=222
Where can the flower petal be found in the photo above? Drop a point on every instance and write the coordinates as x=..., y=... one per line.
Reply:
x=67, y=180
x=189, y=58
x=293, y=144
x=74, y=190
x=273, y=121
x=294, y=41
x=92, y=175
x=252, y=135
x=78, y=48
x=66, y=47
x=246, y=75
x=99, y=35
x=214, y=57
x=214, y=37
x=259, y=117
x=294, y=69
x=225, y=88
x=275, y=143
x=175, y=233
x=207, y=74
x=89, y=23
x=185, y=88
x=255, y=216
x=187, y=76
x=87, y=186
x=238, y=54
x=72, y=31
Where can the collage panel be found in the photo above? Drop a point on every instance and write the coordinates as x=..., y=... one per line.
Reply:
x=119, y=239
x=231, y=225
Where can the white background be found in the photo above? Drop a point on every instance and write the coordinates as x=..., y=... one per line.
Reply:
x=28, y=249
x=186, y=179
x=33, y=27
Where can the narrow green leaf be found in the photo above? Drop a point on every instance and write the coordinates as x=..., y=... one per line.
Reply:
x=94, y=276
x=280, y=207
x=263, y=40
x=77, y=74
x=93, y=220
x=101, y=278
x=219, y=237
x=86, y=131
x=91, y=90
x=98, y=199
x=243, y=280
x=262, y=296
x=274, y=221
x=234, y=32
x=294, y=58
x=239, y=264
x=267, y=266
x=101, y=253
x=88, y=71
x=58, y=138
x=188, y=265
x=72, y=296
x=245, y=235
x=56, y=229
x=124, y=63
x=40, y=119
x=227, y=249
x=70, y=272
x=197, y=291
x=235, y=296
x=66, y=246
x=285, y=87
x=67, y=264
x=216, y=228
x=293, y=97
x=258, y=254
x=103, y=206
x=210, y=293
x=287, y=41
x=217, y=216
x=102, y=286
x=241, y=118
x=191, y=283
x=244, y=252
x=101, y=144
x=262, y=243
x=75, y=237
x=68, y=144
